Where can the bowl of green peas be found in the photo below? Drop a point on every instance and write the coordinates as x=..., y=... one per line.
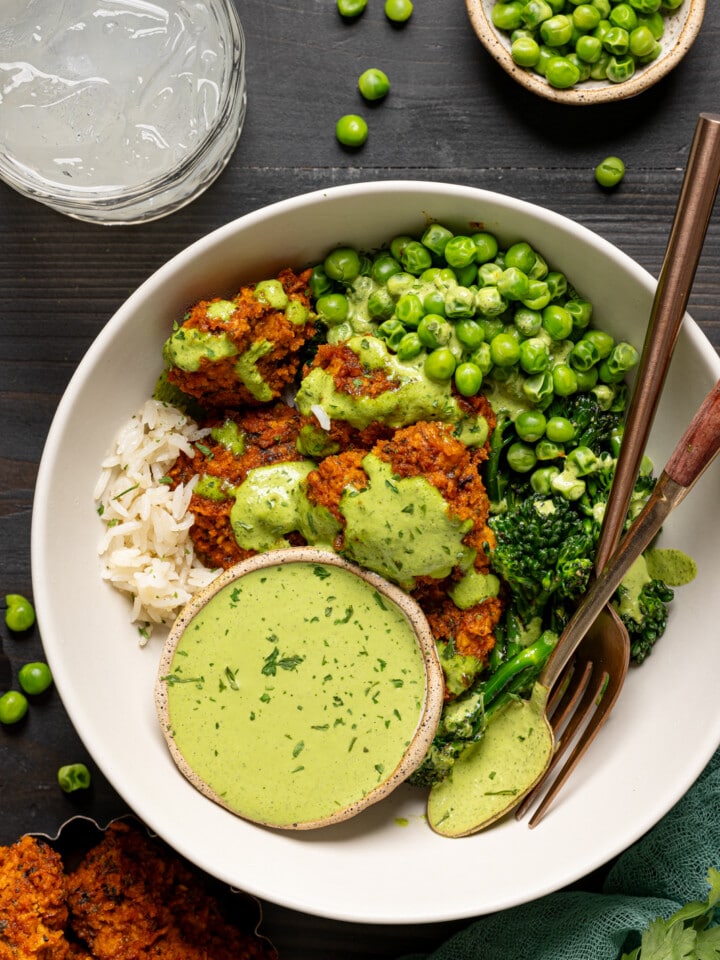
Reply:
x=587, y=51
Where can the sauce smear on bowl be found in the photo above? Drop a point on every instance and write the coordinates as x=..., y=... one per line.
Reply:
x=297, y=693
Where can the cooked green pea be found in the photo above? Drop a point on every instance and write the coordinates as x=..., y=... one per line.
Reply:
x=589, y=49
x=343, y=264
x=380, y=304
x=622, y=357
x=564, y=380
x=486, y=246
x=623, y=15
x=440, y=364
x=616, y=41
x=35, y=677
x=466, y=275
x=333, y=308
x=436, y=238
x=521, y=457
x=319, y=281
x=521, y=256
x=541, y=480
x=507, y=16
x=20, y=613
x=557, y=284
x=398, y=244
x=528, y=322
x=470, y=333
x=538, y=295
x=13, y=707
x=583, y=355
x=513, y=284
x=557, y=30
x=410, y=346
x=415, y=257
x=561, y=73
x=559, y=430
x=536, y=12
x=459, y=302
x=525, y=51
x=580, y=311
x=73, y=776
x=373, y=84
x=351, y=130
x=642, y=42
x=434, y=331
x=538, y=389
x=468, y=378
x=400, y=283
x=392, y=332
x=409, y=309
x=620, y=68
x=530, y=425
x=434, y=302
x=398, y=10
x=383, y=267
x=351, y=8
x=534, y=355
x=585, y=17
x=604, y=7
x=602, y=341
x=504, y=350
x=459, y=251
x=586, y=379
x=610, y=172
x=489, y=302
x=557, y=322
x=482, y=359
x=549, y=450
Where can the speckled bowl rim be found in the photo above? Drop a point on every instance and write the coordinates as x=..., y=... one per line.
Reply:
x=590, y=92
x=429, y=715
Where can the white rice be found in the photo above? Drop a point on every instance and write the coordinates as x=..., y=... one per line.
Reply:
x=146, y=550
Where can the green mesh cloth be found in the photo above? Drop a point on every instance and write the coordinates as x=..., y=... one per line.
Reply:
x=664, y=870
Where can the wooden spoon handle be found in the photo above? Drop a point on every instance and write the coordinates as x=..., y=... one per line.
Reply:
x=700, y=443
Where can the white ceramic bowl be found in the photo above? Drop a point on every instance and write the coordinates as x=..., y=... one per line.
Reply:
x=681, y=29
x=383, y=865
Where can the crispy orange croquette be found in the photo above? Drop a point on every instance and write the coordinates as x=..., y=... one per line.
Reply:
x=131, y=898
x=255, y=324
x=33, y=911
x=431, y=450
x=349, y=375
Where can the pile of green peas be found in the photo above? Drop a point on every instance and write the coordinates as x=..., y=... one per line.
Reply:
x=470, y=313
x=572, y=41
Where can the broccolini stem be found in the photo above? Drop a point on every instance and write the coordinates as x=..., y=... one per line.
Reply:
x=535, y=655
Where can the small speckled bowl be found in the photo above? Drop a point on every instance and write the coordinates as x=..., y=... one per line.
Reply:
x=405, y=758
x=681, y=29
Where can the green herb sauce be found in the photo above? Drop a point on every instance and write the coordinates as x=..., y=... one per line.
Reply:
x=294, y=692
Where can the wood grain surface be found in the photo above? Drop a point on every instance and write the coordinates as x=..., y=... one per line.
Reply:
x=452, y=115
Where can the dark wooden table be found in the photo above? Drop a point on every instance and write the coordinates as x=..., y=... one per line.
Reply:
x=452, y=115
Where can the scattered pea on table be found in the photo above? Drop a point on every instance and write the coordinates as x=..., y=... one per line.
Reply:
x=35, y=677
x=398, y=10
x=73, y=776
x=20, y=613
x=351, y=130
x=13, y=707
x=373, y=84
x=610, y=172
x=351, y=8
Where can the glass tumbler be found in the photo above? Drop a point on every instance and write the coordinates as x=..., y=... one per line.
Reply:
x=119, y=111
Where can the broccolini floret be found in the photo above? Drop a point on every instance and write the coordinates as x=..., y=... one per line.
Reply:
x=544, y=553
x=641, y=602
